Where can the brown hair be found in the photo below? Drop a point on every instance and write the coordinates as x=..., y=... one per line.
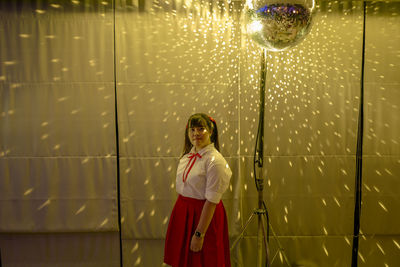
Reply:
x=201, y=120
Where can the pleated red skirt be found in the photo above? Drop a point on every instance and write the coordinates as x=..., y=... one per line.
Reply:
x=182, y=225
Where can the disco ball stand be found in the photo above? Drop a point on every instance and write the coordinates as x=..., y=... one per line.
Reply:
x=275, y=26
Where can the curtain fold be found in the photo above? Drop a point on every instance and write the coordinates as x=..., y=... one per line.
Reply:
x=57, y=139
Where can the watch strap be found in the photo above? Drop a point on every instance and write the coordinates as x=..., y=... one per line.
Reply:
x=199, y=234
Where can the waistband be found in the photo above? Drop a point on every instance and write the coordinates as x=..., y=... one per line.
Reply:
x=191, y=200
x=194, y=200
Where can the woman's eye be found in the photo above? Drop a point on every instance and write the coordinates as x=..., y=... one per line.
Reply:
x=198, y=129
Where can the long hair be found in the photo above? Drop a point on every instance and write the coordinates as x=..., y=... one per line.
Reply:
x=200, y=120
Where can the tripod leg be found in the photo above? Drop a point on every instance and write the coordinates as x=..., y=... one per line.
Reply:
x=242, y=231
x=265, y=239
x=281, y=250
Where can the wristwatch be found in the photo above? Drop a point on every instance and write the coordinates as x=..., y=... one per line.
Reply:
x=198, y=234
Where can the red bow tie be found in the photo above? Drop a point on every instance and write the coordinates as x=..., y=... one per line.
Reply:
x=192, y=159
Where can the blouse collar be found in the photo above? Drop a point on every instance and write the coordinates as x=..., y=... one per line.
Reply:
x=204, y=149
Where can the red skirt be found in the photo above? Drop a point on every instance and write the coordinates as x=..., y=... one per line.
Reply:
x=182, y=225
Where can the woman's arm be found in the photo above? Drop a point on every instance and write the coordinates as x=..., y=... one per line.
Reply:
x=205, y=218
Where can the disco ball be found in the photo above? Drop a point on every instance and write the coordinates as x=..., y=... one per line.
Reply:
x=277, y=25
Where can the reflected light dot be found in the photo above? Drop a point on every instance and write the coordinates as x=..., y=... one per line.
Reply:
x=325, y=250
x=138, y=261
x=82, y=208
x=382, y=206
x=28, y=192
x=361, y=256
x=141, y=215
x=396, y=243
x=135, y=247
x=380, y=248
x=104, y=222
x=165, y=220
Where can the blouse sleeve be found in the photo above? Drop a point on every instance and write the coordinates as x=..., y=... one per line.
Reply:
x=218, y=177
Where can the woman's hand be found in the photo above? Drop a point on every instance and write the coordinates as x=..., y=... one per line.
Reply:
x=196, y=244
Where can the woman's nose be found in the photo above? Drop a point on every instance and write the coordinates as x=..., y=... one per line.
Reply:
x=196, y=131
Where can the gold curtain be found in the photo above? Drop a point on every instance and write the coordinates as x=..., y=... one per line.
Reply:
x=66, y=68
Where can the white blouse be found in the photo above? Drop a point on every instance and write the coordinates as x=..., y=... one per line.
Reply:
x=203, y=175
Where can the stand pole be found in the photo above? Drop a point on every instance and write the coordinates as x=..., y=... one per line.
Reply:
x=261, y=235
x=259, y=181
x=259, y=159
x=258, y=172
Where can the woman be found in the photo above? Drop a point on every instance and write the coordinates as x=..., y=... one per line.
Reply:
x=197, y=234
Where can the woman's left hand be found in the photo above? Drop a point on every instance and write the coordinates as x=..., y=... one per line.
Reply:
x=196, y=244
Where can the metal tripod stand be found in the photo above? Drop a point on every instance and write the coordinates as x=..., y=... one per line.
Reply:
x=261, y=212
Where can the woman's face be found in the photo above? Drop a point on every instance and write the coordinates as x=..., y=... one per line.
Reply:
x=199, y=136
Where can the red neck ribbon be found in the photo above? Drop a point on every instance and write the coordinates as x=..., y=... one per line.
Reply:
x=192, y=159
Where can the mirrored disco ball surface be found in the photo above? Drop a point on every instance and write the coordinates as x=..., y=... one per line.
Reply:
x=277, y=26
